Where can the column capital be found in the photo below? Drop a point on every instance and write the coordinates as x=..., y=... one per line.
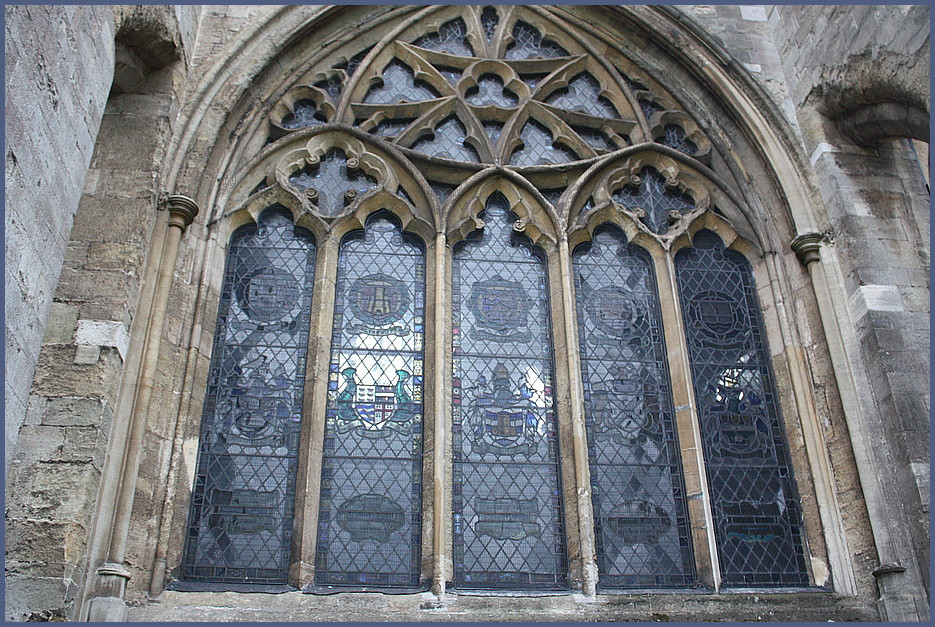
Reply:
x=182, y=210
x=807, y=247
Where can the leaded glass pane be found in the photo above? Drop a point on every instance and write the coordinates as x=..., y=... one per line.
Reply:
x=506, y=501
x=640, y=513
x=369, y=531
x=489, y=20
x=660, y=205
x=582, y=94
x=450, y=38
x=490, y=91
x=538, y=149
x=447, y=142
x=753, y=495
x=399, y=83
x=304, y=115
x=528, y=44
x=240, y=523
x=674, y=137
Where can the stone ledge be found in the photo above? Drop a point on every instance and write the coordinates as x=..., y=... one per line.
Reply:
x=568, y=607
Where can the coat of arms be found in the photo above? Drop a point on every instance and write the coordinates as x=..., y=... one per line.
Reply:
x=504, y=421
x=378, y=300
x=500, y=309
x=373, y=411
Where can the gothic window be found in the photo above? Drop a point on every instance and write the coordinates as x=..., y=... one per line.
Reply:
x=640, y=513
x=506, y=496
x=371, y=487
x=471, y=381
x=240, y=524
x=754, y=499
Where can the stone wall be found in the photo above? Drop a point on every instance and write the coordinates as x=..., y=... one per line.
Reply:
x=82, y=293
x=838, y=61
x=66, y=443
x=61, y=68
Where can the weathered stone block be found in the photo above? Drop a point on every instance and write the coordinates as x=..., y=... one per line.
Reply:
x=119, y=219
x=77, y=412
x=56, y=376
x=114, y=256
x=53, y=491
x=60, y=327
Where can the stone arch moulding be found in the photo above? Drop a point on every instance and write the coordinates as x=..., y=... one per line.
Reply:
x=592, y=200
x=292, y=171
x=536, y=218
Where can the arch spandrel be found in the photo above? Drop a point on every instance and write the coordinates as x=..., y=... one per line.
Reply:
x=595, y=192
x=536, y=217
x=393, y=179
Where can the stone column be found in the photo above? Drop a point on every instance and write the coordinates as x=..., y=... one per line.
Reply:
x=895, y=583
x=439, y=508
x=578, y=432
x=108, y=604
x=311, y=451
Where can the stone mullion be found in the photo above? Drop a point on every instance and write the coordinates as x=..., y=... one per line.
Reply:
x=312, y=434
x=563, y=404
x=437, y=326
x=585, y=506
x=697, y=495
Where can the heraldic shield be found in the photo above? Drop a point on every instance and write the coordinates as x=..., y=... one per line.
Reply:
x=374, y=411
x=504, y=422
x=501, y=309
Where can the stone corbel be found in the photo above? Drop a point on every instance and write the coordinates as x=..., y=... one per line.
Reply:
x=807, y=247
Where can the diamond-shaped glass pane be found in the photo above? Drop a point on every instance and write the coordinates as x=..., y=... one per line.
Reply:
x=240, y=524
x=371, y=490
x=507, y=505
x=641, y=517
x=755, y=508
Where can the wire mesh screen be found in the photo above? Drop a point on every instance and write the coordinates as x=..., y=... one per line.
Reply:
x=240, y=523
x=370, y=517
x=753, y=496
x=506, y=502
x=640, y=513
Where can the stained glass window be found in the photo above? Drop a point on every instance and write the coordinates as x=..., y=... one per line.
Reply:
x=506, y=501
x=369, y=531
x=240, y=523
x=640, y=513
x=753, y=496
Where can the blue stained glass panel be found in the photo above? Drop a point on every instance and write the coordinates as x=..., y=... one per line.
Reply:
x=640, y=511
x=369, y=530
x=240, y=522
x=506, y=501
x=754, y=502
